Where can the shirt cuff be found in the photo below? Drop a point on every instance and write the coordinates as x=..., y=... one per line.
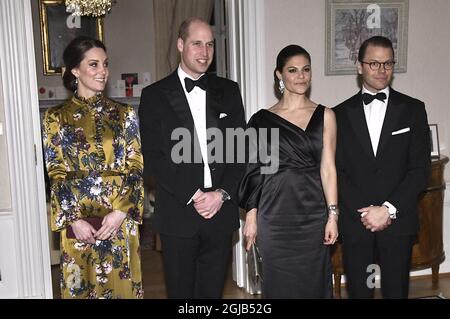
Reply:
x=192, y=198
x=392, y=210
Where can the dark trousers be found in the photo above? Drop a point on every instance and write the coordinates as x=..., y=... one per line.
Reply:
x=391, y=253
x=196, y=267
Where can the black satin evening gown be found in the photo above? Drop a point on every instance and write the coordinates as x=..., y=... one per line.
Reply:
x=291, y=210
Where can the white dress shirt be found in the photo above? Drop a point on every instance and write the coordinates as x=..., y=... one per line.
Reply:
x=197, y=104
x=375, y=113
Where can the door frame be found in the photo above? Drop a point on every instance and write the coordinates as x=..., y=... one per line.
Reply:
x=28, y=245
x=247, y=66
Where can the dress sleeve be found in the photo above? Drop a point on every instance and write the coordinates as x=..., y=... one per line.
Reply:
x=131, y=195
x=65, y=208
x=249, y=191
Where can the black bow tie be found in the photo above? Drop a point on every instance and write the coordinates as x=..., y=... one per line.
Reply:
x=190, y=84
x=368, y=98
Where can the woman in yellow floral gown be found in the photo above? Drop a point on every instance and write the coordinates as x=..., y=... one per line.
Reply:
x=94, y=162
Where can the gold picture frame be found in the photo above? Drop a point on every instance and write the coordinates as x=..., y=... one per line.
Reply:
x=58, y=28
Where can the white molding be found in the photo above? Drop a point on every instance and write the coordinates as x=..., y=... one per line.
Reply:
x=233, y=13
x=19, y=85
x=247, y=51
x=247, y=67
x=8, y=266
x=233, y=25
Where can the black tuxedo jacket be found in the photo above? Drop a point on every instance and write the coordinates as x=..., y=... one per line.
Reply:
x=164, y=108
x=397, y=174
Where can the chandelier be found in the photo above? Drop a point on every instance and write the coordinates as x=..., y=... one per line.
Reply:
x=94, y=8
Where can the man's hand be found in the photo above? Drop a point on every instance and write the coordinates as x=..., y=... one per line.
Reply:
x=196, y=195
x=375, y=218
x=208, y=204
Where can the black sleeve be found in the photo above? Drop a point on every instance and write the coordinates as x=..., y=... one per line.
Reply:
x=157, y=161
x=419, y=164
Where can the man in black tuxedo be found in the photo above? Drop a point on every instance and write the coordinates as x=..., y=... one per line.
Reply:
x=383, y=163
x=196, y=208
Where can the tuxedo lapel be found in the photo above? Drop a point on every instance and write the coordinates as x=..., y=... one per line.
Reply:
x=393, y=114
x=213, y=98
x=358, y=122
x=177, y=99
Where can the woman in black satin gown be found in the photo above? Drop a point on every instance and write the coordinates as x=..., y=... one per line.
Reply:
x=293, y=211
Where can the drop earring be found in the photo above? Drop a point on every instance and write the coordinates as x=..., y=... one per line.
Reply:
x=281, y=86
x=76, y=86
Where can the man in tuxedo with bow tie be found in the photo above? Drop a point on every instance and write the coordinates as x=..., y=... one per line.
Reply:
x=196, y=209
x=383, y=164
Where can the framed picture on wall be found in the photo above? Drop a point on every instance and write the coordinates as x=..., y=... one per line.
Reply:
x=434, y=140
x=58, y=28
x=350, y=22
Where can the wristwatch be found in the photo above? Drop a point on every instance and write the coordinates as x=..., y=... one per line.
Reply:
x=225, y=195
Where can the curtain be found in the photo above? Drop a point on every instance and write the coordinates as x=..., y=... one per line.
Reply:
x=169, y=14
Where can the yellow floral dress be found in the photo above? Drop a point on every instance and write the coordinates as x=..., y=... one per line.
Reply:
x=94, y=162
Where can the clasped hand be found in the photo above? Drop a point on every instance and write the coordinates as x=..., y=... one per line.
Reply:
x=207, y=204
x=86, y=233
x=375, y=218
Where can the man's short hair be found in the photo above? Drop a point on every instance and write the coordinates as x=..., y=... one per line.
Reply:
x=183, y=31
x=376, y=41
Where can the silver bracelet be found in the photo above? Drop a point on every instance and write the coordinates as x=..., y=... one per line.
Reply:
x=333, y=209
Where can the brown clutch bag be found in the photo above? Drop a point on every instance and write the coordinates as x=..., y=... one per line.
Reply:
x=96, y=222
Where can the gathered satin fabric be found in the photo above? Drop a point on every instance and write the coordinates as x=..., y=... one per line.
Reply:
x=291, y=210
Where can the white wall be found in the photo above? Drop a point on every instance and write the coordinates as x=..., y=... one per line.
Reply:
x=130, y=38
x=303, y=22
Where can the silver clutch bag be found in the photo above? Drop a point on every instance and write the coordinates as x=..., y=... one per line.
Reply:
x=254, y=262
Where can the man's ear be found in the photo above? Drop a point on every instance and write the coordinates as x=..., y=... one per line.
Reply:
x=360, y=66
x=180, y=45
